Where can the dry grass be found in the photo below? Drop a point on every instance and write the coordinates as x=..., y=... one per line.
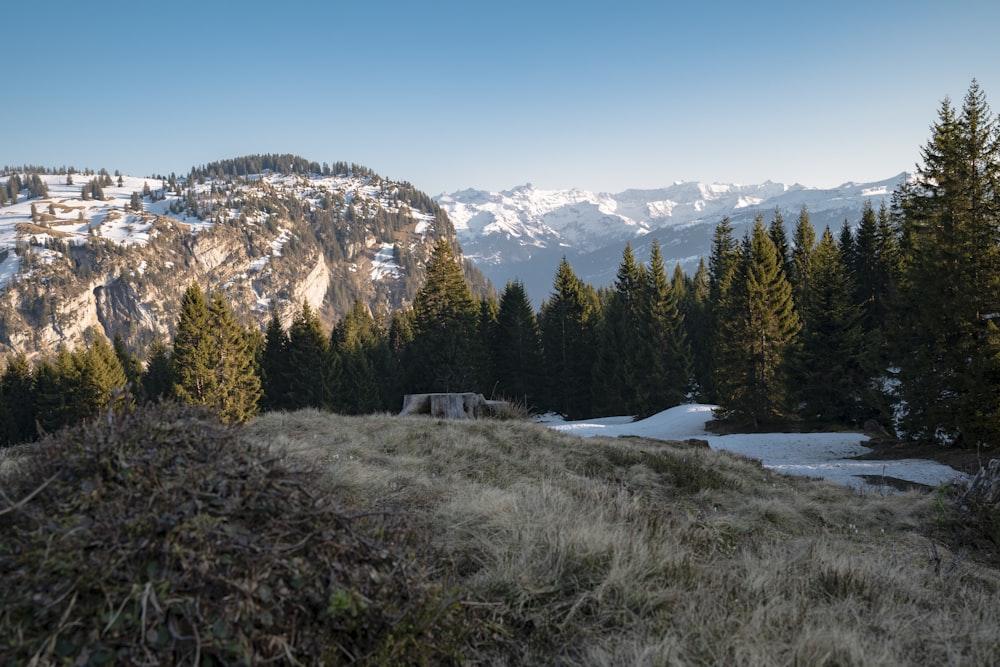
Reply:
x=634, y=552
x=563, y=551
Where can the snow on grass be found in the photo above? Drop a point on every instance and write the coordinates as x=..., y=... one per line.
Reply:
x=825, y=455
x=279, y=243
x=384, y=264
x=9, y=268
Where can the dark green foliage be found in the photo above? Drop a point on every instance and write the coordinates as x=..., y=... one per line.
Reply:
x=946, y=342
x=130, y=364
x=695, y=309
x=158, y=378
x=757, y=325
x=723, y=264
x=212, y=361
x=804, y=242
x=663, y=366
x=274, y=366
x=569, y=340
x=517, y=348
x=193, y=353
x=831, y=382
x=619, y=355
x=161, y=538
x=776, y=230
x=359, y=349
x=445, y=352
x=307, y=375
x=17, y=398
x=236, y=377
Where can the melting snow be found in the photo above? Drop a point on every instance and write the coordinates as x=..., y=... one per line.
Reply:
x=384, y=264
x=826, y=455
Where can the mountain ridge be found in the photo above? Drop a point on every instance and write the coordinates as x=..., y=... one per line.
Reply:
x=522, y=233
x=117, y=256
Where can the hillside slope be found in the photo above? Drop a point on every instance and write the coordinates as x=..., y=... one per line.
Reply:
x=266, y=230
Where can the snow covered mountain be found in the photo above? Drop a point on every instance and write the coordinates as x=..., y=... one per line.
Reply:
x=523, y=232
x=81, y=251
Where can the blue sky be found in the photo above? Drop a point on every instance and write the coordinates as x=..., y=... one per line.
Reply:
x=451, y=95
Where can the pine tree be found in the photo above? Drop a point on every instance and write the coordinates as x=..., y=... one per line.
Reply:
x=663, y=352
x=568, y=342
x=804, y=241
x=194, y=354
x=723, y=264
x=274, y=365
x=615, y=389
x=776, y=230
x=158, y=378
x=444, y=351
x=695, y=308
x=129, y=362
x=307, y=372
x=517, y=348
x=758, y=328
x=354, y=343
x=17, y=394
x=831, y=382
x=949, y=293
x=236, y=380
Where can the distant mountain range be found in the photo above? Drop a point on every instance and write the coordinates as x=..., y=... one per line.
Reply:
x=522, y=233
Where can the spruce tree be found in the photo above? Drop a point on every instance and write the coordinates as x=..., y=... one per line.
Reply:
x=804, y=242
x=17, y=394
x=776, y=230
x=308, y=374
x=949, y=293
x=444, y=351
x=236, y=380
x=830, y=380
x=757, y=330
x=723, y=264
x=615, y=390
x=129, y=362
x=568, y=342
x=194, y=353
x=695, y=309
x=274, y=365
x=158, y=378
x=355, y=343
x=517, y=348
x=664, y=356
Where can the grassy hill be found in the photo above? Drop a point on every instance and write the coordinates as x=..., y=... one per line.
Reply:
x=544, y=548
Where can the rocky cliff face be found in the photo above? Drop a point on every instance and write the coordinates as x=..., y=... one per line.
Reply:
x=75, y=266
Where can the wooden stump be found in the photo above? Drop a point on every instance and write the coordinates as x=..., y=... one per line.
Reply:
x=444, y=406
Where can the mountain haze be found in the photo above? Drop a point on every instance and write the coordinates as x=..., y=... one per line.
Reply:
x=523, y=232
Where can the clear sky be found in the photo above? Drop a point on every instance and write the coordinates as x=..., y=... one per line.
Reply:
x=450, y=95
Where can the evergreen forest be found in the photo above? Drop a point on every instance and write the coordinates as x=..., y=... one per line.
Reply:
x=891, y=318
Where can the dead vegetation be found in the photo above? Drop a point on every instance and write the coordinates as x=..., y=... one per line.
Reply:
x=162, y=538
x=534, y=547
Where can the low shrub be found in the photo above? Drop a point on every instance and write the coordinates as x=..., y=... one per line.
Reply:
x=161, y=537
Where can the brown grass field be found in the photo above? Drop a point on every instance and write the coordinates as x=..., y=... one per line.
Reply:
x=634, y=552
x=542, y=549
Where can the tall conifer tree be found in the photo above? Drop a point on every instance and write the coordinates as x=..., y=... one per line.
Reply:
x=568, y=342
x=757, y=334
x=830, y=380
x=445, y=352
x=947, y=339
x=517, y=347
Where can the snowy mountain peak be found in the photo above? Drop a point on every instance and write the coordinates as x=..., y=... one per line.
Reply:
x=519, y=233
